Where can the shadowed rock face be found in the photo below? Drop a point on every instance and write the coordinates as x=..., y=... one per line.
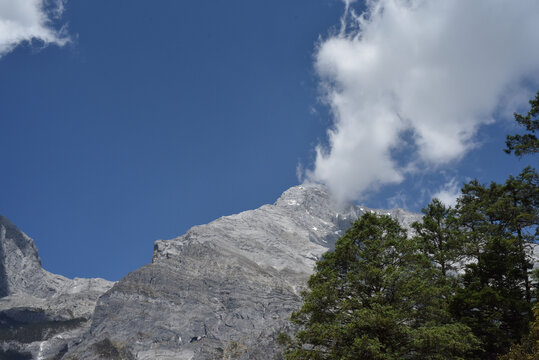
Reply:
x=40, y=313
x=224, y=290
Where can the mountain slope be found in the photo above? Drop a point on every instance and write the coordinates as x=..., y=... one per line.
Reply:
x=223, y=290
x=41, y=313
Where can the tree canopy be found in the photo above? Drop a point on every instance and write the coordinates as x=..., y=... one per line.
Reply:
x=377, y=297
x=526, y=143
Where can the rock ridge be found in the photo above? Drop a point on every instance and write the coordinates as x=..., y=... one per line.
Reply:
x=225, y=289
x=41, y=313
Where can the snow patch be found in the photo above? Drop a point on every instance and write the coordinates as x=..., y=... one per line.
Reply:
x=40, y=353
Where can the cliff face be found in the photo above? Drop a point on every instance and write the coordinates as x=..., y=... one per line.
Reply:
x=19, y=262
x=224, y=290
x=41, y=314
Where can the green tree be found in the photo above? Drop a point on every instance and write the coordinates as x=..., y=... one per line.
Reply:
x=520, y=213
x=528, y=349
x=438, y=237
x=498, y=223
x=377, y=297
x=491, y=301
x=526, y=143
x=472, y=219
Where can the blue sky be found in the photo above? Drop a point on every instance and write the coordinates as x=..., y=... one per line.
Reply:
x=124, y=122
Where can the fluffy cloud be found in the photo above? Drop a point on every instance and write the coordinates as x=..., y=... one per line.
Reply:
x=416, y=79
x=27, y=20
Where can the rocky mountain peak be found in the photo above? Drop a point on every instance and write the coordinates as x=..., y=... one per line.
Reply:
x=314, y=197
x=41, y=313
x=19, y=259
x=222, y=290
x=19, y=239
x=305, y=195
x=20, y=268
x=316, y=201
x=230, y=283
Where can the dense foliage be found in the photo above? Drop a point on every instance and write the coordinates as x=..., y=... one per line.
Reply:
x=460, y=287
x=528, y=349
x=376, y=297
x=528, y=142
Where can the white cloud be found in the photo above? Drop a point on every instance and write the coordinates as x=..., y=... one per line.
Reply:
x=27, y=20
x=449, y=193
x=435, y=69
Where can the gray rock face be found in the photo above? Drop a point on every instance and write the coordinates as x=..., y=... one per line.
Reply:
x=224, y=290
x=41, y=313
x=19, y=262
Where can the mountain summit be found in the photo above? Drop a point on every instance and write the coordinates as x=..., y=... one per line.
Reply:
x=224, y=290
x=20, y=265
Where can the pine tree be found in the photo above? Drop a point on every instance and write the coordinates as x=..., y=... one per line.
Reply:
x=377, y=297
x=438, y=237
x=528, y=349
x=498, y=223
x=527, y=143
x=521, y=215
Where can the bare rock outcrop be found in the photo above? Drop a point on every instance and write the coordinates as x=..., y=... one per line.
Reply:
x=224, y=290
x=41, y=314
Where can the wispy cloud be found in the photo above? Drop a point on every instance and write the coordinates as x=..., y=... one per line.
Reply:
x=399, y=200
x=449, y=193
x=28, y=20
x=422, y=75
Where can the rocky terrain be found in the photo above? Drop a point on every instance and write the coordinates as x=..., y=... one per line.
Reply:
x=41, y=314
x=224, y=290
